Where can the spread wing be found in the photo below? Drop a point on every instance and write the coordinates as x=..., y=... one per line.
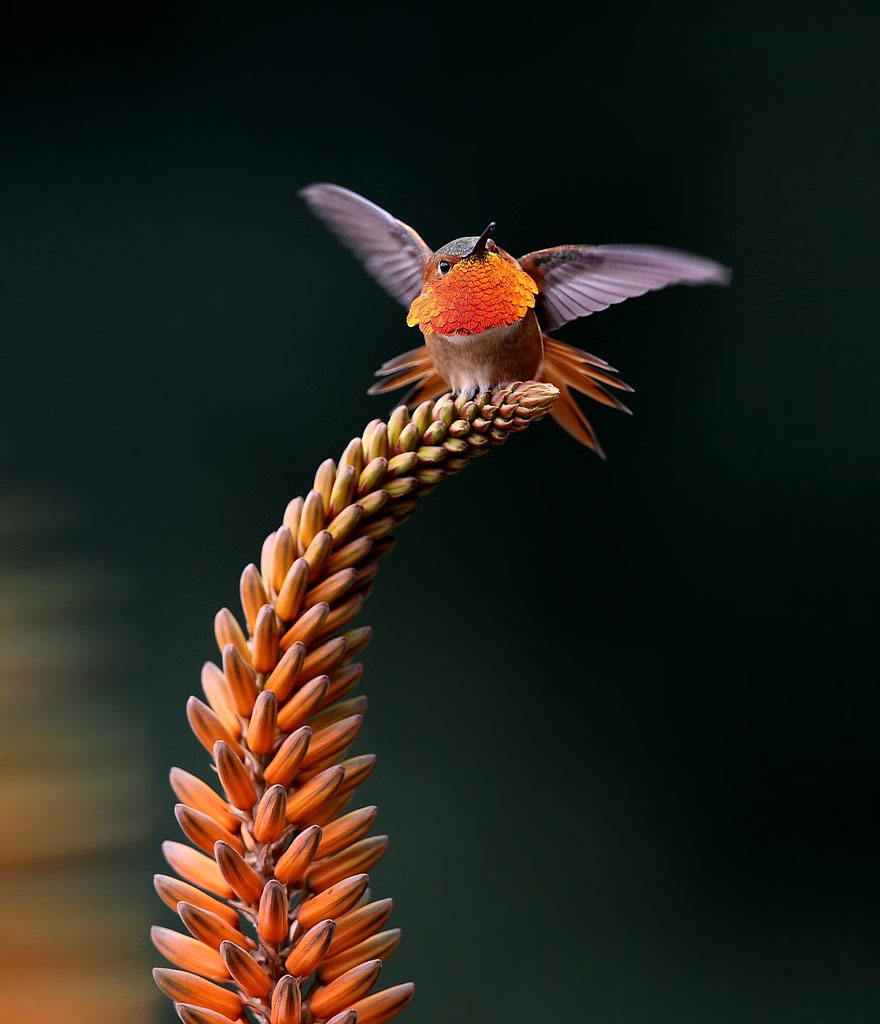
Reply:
x=576, y=280
x=390, y=250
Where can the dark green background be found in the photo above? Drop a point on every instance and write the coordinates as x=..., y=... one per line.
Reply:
x=626, y=713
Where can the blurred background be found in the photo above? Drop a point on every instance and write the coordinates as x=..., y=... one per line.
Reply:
x=638, y=779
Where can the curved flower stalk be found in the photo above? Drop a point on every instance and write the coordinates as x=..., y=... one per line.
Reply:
x=272, y=889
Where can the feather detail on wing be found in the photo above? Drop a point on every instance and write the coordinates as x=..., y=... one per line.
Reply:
x=567, y=368
x=576, y=280
x=414, y=367
x=391, y=251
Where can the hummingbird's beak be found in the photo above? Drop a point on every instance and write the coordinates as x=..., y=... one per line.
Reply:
x=480, y=246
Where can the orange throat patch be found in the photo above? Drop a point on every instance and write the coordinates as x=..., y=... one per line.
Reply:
x=477, y=294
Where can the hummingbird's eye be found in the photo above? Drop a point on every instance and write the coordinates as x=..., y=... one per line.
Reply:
x=444, y=266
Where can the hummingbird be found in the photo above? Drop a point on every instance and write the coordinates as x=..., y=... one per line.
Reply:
x=484, y=315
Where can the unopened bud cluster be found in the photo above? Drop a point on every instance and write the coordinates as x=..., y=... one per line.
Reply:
x=272, y=887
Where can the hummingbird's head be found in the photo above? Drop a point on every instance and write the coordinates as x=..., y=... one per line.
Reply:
x=470, y=285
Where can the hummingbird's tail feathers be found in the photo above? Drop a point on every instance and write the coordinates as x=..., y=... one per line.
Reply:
x=577, y=354
x=427, y=390
x=413, y=367
x=404, y=369
x=567, y=368
x=579, y=370
x=568, y=415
